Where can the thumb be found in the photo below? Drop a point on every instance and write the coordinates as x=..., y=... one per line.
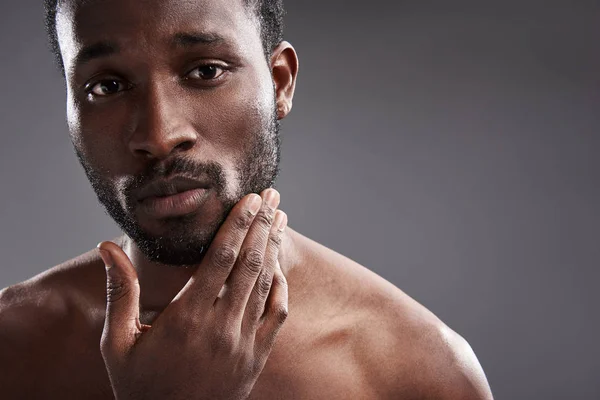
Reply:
x=122, y=323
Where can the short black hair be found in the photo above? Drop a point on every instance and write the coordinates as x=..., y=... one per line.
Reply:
x=269, y=13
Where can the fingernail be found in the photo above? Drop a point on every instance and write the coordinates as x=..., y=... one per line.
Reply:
x=272, y=198
x=254, y=204
x=106, y=257
x=280, y=220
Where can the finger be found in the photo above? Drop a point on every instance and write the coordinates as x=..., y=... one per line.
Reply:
x=262, y=287
x=122, y=323
x=206, y=283
x=276, y=311
x=249, y=264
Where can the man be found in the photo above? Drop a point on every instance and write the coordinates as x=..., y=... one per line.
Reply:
x=173, y=110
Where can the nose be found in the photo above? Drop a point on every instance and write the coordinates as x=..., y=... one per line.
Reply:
x=161, y=127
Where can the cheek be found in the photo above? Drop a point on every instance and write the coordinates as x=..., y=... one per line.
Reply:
x=230, y=125
x=239, y=118
x=74, y=122
x=93, y=134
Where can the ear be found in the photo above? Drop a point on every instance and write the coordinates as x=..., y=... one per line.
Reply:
x=284, y=69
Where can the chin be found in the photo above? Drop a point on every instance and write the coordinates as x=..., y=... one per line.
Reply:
x=180, y=240
x=173, y=252
x=177, y=246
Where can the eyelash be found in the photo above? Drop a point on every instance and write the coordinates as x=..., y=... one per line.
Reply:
x=89, y=88
x=222, y=68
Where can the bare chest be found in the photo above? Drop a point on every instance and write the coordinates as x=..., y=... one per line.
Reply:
x=318, y=369
x=296, y=372
x=336, y=379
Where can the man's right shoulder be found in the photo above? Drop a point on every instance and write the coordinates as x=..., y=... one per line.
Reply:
x=50, y=293
x=42, y=317
x=33, y=304
x=53, y=294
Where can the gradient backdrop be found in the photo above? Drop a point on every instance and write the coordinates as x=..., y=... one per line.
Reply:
x=449, y=147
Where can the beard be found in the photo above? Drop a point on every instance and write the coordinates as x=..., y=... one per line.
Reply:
x=184, y=241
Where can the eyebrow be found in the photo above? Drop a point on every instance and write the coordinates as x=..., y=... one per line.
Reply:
x=94, y=51
x=105, y=49
x=190, y=39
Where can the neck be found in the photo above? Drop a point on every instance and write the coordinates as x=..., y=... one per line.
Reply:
x=160, y=283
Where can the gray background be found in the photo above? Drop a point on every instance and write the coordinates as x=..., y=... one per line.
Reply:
x=451, y=148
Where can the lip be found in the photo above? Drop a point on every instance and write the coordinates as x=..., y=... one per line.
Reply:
x=173, y=197
x=178, y=204
x=168, y=187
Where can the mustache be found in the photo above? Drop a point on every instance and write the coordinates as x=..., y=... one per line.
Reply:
x=209, y=172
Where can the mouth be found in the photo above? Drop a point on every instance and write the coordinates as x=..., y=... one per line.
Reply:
x=173, y=197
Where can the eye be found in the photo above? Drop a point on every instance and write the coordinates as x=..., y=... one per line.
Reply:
x=106, y=87
x=206, y=72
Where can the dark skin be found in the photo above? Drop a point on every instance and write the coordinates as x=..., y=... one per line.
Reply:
x=298, y=321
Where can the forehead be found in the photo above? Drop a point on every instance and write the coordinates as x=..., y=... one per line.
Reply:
x=139, y=23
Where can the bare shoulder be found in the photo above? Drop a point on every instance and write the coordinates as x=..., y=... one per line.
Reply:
x=54, y=293
x=44, y=322
x=413, y=354
x=405, y=351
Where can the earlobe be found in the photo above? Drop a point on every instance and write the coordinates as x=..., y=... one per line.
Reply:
x=282, y=110
x=284, y=69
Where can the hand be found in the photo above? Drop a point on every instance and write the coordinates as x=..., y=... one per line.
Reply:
x=208, y=343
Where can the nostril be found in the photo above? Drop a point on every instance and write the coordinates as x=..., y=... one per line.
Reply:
x=143, y=153
x=160, y=144
x=185, y=146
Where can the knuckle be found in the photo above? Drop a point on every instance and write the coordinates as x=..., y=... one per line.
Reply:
x=280, y=313
x=263, y=284
x=275, y=239
x=116, y=290
x=224, y=257
x=266, y=217
x=279, y=279
x=243, y=221
x=252, y=259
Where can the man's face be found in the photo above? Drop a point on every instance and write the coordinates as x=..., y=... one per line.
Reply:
x=158, y=89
